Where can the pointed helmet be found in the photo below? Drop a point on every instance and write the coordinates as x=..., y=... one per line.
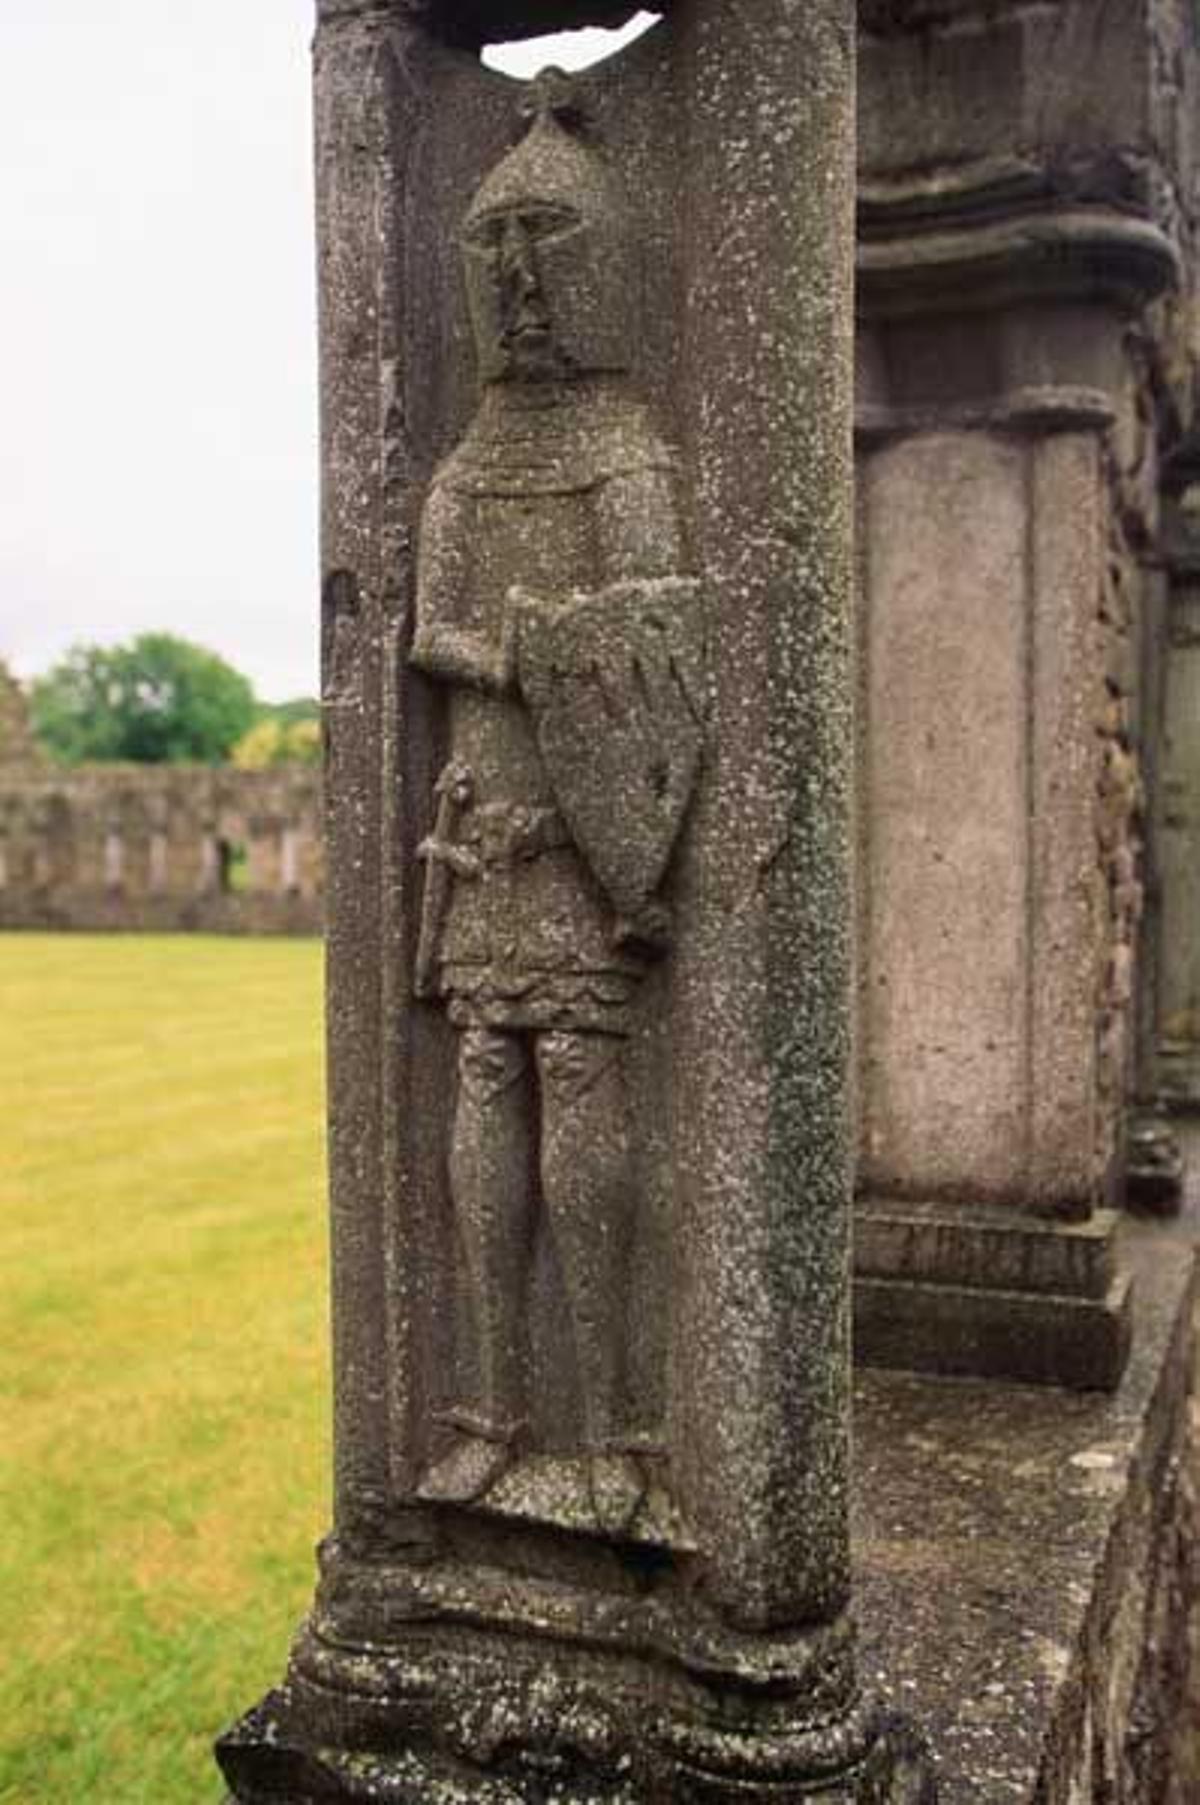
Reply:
x=547, y=252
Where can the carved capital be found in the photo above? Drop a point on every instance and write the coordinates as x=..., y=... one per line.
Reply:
x=1091, y=204
x=1000, y=232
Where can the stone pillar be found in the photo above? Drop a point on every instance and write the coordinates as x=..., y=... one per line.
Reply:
x=114, y=856
x=289, y=860
x=591, y=1533
x=1005, y=463
x=262, y=844
x=160, y=871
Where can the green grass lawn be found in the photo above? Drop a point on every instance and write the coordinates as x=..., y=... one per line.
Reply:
x=163, y=1421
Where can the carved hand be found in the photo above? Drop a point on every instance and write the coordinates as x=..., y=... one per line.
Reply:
x=457, y=656
x=462, y=863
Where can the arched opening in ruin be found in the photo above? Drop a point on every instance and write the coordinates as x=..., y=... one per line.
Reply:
x=578, y=49
x=232, y=867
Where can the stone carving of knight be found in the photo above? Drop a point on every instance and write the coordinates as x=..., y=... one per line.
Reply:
x=554, y=607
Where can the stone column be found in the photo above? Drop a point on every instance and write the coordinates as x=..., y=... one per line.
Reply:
x=1007, y=471
x=589, y=988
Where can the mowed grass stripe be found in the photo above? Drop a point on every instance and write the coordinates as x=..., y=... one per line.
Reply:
x=162, y=1350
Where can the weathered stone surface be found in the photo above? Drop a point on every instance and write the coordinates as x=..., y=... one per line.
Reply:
x=945, y=1092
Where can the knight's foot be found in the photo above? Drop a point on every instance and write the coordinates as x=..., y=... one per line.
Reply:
x=617, y=1488
x=471, y=1468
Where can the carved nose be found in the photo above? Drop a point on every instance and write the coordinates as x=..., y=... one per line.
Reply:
x=517, y=265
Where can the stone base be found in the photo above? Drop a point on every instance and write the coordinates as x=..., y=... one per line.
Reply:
x=269, y=1759
x=440, y=1681
x=991, y=1295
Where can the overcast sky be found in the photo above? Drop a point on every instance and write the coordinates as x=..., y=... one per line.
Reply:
x=157, y=328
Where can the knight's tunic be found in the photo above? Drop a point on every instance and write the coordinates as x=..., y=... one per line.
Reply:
x=558, y=489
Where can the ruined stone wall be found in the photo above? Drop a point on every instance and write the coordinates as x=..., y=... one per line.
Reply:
x=161, y=848
x=153, y=847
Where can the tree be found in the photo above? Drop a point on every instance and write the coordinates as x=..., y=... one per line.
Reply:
x=157, y=700
x=273, y=741
x=300, y=708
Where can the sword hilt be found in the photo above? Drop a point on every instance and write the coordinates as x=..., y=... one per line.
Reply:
x=455, y=791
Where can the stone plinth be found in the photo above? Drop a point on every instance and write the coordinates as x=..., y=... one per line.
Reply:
x=942, y=1289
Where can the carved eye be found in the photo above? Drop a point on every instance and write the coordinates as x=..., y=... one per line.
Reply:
x=539, y=222
x=549, y=222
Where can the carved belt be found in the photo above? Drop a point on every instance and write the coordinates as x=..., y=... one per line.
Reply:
x=507, y=833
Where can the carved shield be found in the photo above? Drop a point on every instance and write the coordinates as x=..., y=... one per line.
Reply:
x=615, y=685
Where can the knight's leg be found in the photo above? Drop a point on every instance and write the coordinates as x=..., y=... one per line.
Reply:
x=588, y=1190
x=491, y=1185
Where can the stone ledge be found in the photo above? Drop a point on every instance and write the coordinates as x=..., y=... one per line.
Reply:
x=993, y=1250
x=1091, y=254
x=1049, y=408
x=1023, y=1337
x=994, y=1294
x=1027, y=1560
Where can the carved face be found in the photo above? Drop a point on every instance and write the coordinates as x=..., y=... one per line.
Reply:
x=547, y=264
x=514, y=324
